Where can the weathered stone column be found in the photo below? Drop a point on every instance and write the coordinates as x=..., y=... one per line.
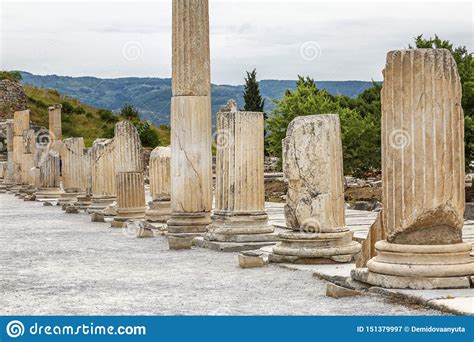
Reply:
x=49, y=180
x=28, y=158
x=74, y=170
x=191, y=160
x=129, y=174
x=239, y=216
x=102, y=159
x=423, y=175
x=9, y=179
x=315, y=208
x=21, y=123
x=55, y=128
x=160, y=185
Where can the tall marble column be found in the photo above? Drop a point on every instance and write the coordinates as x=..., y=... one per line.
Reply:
x=314, y=211
x=55, y=128
x=49, y=179
x=74, y=170
x=160, y=185
x=191, y=160
x=239, y=215
x=103, y=181
x=28, y=158
x=21, y=123
x=9, y=179
x=129, y=175
x=423, y=176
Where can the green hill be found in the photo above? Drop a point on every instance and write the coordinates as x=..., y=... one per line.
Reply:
x=152, y=96
x=78, y=119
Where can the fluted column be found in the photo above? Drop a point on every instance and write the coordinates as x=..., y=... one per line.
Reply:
x=28, y=158
x=74, y=169
x=160, y=185
x=49, y=179
x=423, y=175
x=239, y=214
x=21, y=123
x=55, y=128
x=10, y=168
x=191, y=189
x=129, y=174
x=103, y=180
x=314, y=210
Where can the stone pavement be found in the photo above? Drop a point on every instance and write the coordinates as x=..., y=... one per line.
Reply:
x=459, y=301
x=52, y=263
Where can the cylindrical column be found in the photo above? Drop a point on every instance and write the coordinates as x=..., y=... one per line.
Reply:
x=191, y=192
x=239, y=214
x=423, y=175
x=55, y=127
x=21, y=123
x=160, y=185
x=129, y=174
x=74, y=165
x=314, y=210
x=28, y=159
x=103, y=181
x=49, y=181
x=10, y=169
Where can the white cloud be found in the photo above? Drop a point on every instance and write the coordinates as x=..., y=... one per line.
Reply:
x=87, y=38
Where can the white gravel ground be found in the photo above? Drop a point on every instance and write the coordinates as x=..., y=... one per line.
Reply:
x=52, y=263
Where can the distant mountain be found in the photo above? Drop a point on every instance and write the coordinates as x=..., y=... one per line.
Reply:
x=152, y=96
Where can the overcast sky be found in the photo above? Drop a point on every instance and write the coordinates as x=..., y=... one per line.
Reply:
x=325, y=40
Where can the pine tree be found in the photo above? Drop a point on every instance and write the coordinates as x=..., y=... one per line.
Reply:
x=253, y=99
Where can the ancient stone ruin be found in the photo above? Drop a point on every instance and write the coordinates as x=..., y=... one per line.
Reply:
x=315, y=208
x=191, y=175
x=160, y=186
x=423, y=176
x=103, y=180
x=75, y=169
x=130, y=181
x=239, y=217
x=12, y=98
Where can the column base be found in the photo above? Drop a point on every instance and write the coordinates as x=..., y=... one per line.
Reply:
x=99, y=203
x=69, y=197
x=420, y=267
x=237, y=232
x=184, y=227
x=49, y=193
x=124, y=215
x=159, y=212
x=332, y=247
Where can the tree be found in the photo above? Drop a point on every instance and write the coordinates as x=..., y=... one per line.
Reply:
x=360, y=135
x=252, y=97
x=465, y=63
x=148, y=136
x=129, y=112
